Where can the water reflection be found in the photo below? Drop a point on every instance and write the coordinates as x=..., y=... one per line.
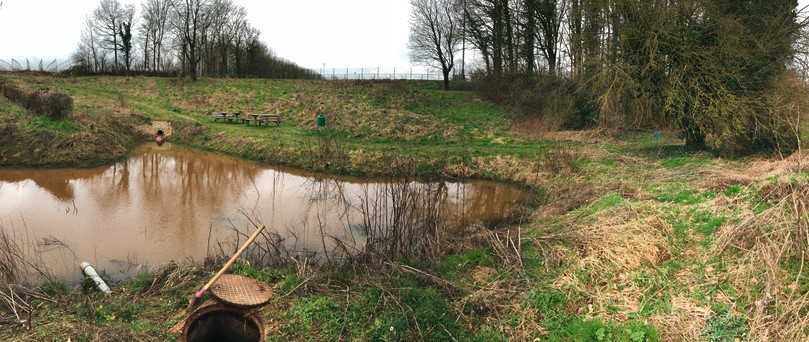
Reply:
x=169, y=203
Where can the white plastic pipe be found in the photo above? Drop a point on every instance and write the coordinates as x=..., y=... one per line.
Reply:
x=91, y=272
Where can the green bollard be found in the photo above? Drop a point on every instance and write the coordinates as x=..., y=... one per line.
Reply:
x=321, y=121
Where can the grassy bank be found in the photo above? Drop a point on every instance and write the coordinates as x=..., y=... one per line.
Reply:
x=638, y=240
x=87, y=139
x=412, y=126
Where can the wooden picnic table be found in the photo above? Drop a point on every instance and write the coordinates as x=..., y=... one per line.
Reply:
x=227, y=117
x=219, y=116
x=258, y=119
x=264, y=119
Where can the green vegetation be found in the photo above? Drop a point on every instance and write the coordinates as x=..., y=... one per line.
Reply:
x=413, y=126
x=88, y=138
x=632, y=65
x=637, y=238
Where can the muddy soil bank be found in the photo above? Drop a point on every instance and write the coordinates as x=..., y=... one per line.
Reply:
x=78, y=142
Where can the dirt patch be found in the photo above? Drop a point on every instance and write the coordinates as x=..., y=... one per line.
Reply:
x=538, y=129
x=151, y=130
x=483, y=275
x=752, y=171
x=757, y=169
x=594, y=136
x=718, y=179
x=567, y=198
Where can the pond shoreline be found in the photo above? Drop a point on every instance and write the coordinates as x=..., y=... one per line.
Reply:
x=456, y=136
x=427, y=174
x=154, y=176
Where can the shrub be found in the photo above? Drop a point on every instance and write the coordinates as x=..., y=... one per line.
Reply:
x=42, y=102
x=54, y=105
x=558, y=102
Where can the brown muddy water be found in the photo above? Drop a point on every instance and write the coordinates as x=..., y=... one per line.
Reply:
x=175, y=204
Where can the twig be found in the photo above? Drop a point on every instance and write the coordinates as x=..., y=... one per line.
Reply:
x=436, y=280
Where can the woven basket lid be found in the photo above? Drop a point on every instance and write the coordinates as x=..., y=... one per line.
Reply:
x=241, y=291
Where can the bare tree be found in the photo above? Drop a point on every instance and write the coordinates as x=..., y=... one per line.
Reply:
x=107, y=18
x=435, y=33
x=191, y=20
x=154, y=28
x=87, y=56
x=195, y=37
x=550, y=14
x=217, y=39
x=230, y=35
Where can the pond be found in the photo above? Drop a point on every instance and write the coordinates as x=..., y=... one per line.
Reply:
x=171, y=203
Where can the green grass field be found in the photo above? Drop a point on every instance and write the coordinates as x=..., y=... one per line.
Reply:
x=635, y=239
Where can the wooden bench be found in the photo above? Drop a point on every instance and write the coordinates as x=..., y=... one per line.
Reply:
x=263, y=119
x=220, y=116
x=236, y=117
x=227, y=117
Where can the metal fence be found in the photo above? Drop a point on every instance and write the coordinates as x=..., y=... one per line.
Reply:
x=57, y=65
x=378, y=74
x=34, y=64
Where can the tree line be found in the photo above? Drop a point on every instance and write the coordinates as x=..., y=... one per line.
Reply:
x=187, y=37
x=715, y=69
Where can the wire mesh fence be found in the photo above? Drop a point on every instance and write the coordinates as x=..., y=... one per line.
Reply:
x=34, y=64
x=378, y=74
x=57, y=65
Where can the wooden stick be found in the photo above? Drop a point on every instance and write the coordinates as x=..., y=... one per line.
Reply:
x=198, y=295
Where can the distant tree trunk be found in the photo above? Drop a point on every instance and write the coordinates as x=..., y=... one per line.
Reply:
x=576, y=37
x=497, y=40
x=509, y=26
x=694, y=137
x=529, y=35
x=146, y=53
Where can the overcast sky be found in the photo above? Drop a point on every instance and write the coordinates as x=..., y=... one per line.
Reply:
x=344, y=33
x=339, y=33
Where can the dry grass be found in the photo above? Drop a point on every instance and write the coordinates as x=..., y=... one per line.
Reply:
x=592, y=136
x=763, y=244
x=611, y=250
x=624, y=239
x=507, y=247
x=20, y=258
x=685, y=322
x=760, y=245
x=20, y=264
